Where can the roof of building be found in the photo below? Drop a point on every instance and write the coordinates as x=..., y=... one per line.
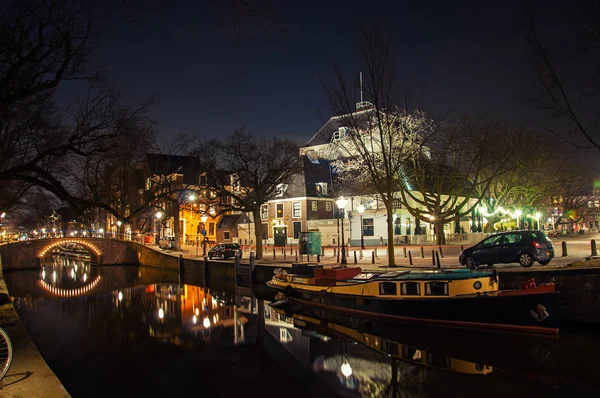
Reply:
x=161, y=164
x=229, y=221
x=313, y=181
x=324, y=135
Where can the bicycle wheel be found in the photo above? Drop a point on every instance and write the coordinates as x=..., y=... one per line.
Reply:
x=5, y=353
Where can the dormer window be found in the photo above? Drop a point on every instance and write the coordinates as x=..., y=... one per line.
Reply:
x=340, y=133
x=321, y=188
x=280, y=190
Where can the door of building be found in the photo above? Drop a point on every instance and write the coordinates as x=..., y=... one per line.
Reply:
x=280, y=235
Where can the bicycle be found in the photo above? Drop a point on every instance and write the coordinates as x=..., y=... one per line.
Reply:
x=6, y=353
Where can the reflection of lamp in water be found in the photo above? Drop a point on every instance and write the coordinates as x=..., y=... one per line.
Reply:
x=206, y=322
x=161, y=313
x=346, y=368
x=120, y=296
x=197, y=311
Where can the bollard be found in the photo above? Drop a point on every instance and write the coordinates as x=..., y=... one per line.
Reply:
x=594, y=249
x=433, y=257
x=205, y=269
x=318, y=258
x=355, y=261
x=273, y=253
x=422, y=252
x=441, y=252
x=284, y=253
x=437, y=257
x=409, y=258
x=296, y=255
x=564, y=249
x=404, y=251
x=282, y=250
x=323, y=251
x=372, y=257
x=291, y=250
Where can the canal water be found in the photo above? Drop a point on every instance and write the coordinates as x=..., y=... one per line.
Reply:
x=139, y=331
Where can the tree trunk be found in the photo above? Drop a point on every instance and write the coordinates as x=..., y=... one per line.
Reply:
x=440, y=237
x=390, y=235
x=258, y=234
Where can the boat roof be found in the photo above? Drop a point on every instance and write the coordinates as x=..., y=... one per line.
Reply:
x=457, y=274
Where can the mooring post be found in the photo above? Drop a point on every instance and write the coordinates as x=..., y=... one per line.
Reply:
x=404, y=251
x=594, y=249
x=564, y=249
x=422, y=252
x=441, y=252
x=273, y=252
x=437, y=257
x=318, y=258
x=433, y=257
x=251, y=265
x=410, y=258
x=372, y=257
x=296, y=255
x=355, y=260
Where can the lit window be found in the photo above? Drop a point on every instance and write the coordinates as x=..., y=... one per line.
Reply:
x=314, y=205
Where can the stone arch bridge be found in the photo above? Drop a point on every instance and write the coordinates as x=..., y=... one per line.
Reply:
x=27, y=254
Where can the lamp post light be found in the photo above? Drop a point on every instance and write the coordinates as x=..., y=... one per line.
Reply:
x=204, y=218
x=159, y=216
x=341, y=204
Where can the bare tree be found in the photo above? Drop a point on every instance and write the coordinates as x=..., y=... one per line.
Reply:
x=455, y=168
x=377, y=135
x=569, y=101
x=247, y=172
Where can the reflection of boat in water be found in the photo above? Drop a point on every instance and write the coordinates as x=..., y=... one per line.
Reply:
x=525, y=352
x=389, y=347
x=446, y=298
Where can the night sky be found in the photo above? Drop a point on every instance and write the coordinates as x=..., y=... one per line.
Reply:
x=211, y=79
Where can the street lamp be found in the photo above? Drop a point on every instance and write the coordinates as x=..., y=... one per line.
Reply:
x=204, y=218
x=341, y=204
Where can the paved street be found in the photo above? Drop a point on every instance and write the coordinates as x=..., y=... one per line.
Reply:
x=578, y=247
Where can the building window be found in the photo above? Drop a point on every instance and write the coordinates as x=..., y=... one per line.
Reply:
x=321, y=188
x=397, y=204
x=211, y=228
x=368, y=227
x=280, y=190
x=314, y=205
x=264, y=212
x=265, y=230
x=328, y=206
x=296, y=210
x=279, y=211
x=297, y=225
x=226, y=235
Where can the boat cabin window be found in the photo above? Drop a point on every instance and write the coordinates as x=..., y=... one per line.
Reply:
x=388, y=288
x=412, y=354
x=438, y=361
x=436, y=289
x=410, y=288
x=389, y=347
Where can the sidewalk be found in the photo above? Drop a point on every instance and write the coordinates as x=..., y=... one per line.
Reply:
x=29, y=375
x=375, y=258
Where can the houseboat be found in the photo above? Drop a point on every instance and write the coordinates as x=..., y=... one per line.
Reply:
x=448, y=298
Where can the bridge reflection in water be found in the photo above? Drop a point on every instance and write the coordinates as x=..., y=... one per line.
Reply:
x=134, y=331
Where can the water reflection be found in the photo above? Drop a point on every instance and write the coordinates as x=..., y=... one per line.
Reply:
x=140, y=330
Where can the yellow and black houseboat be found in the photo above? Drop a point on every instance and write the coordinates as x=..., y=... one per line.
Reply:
x=448, y=298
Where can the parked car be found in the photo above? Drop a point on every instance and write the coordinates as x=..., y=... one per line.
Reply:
x=523, y=247
x=167, y=242
x=224, y=250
